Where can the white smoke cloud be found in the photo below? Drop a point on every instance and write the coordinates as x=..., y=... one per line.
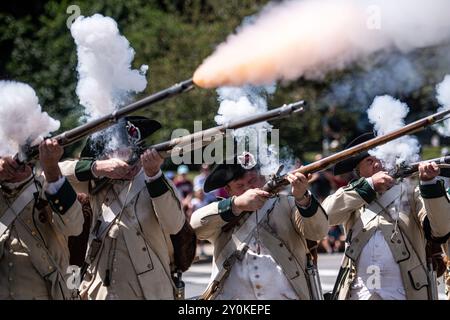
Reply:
x=21, y=118
x=443, y=97
x=312, y=37
x=104, y=65
x=238, y=103
x=106, y=80
x=388, y=114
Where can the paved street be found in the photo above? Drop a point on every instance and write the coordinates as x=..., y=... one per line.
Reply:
x=197, y=277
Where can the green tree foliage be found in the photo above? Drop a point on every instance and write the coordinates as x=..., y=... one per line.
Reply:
x=172, y=37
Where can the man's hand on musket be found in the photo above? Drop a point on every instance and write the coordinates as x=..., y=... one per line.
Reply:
x=382, y=181
x=250, y=200
x=299, y=183
x=151, y=162
x=114, y=169
x=428, y=171
x=11, y=171
x=50, y=152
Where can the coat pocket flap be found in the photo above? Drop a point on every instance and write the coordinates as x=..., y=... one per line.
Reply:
x=418, y=277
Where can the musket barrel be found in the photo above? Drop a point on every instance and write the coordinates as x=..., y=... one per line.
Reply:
x=327, y=162
x=73, y=135
x=202, y=137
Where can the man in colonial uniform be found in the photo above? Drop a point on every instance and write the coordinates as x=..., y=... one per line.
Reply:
x=140, y=241
x=37, y=215
x=260, y=249
x=387, y=225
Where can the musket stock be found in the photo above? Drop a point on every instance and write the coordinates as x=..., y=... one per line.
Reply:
x=404, y=171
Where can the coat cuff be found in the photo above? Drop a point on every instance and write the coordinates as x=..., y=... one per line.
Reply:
x=309, y=211
x=432, y=191
x=225, y=210
x=363, y=188
x=83, y=170
x=157, y=187
x=428, y=234
x=63, y=200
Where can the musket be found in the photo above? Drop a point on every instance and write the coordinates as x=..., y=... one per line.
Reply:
x=199, y=139
x=205, y=137
x=405, y=170
x=28, y=153
x=277, y=182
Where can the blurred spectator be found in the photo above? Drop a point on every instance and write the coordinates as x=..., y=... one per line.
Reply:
x=183, y=184
x=334, y=242
x=321, y=182
x=332, y=127
x=199, y=199
x=170, y=175
x=199, y=181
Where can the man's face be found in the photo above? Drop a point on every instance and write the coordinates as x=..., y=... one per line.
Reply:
x=250, y=180
x=369, y=166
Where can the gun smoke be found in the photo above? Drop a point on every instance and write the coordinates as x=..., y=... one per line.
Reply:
x=388, y=114
x=312, y=37
x=105, y=78
x=21, y=118
x=237, y=103
x=443, y=97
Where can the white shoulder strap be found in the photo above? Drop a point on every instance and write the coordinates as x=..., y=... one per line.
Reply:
x=109, y=213
x=377, y=206
x=245, y=232
x=16, y=208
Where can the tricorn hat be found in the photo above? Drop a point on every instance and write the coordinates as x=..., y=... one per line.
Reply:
x=137, y=128
x=232, y=168
x=349, y=164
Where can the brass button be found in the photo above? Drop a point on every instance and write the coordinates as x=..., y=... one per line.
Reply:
x=33, y=233
x=56, y=201
x=50, y=268
x=10, y=264
x=61, y=208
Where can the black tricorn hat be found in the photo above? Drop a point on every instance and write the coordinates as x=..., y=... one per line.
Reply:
x=232, y=168
x=349, y=164
x=136, y=128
